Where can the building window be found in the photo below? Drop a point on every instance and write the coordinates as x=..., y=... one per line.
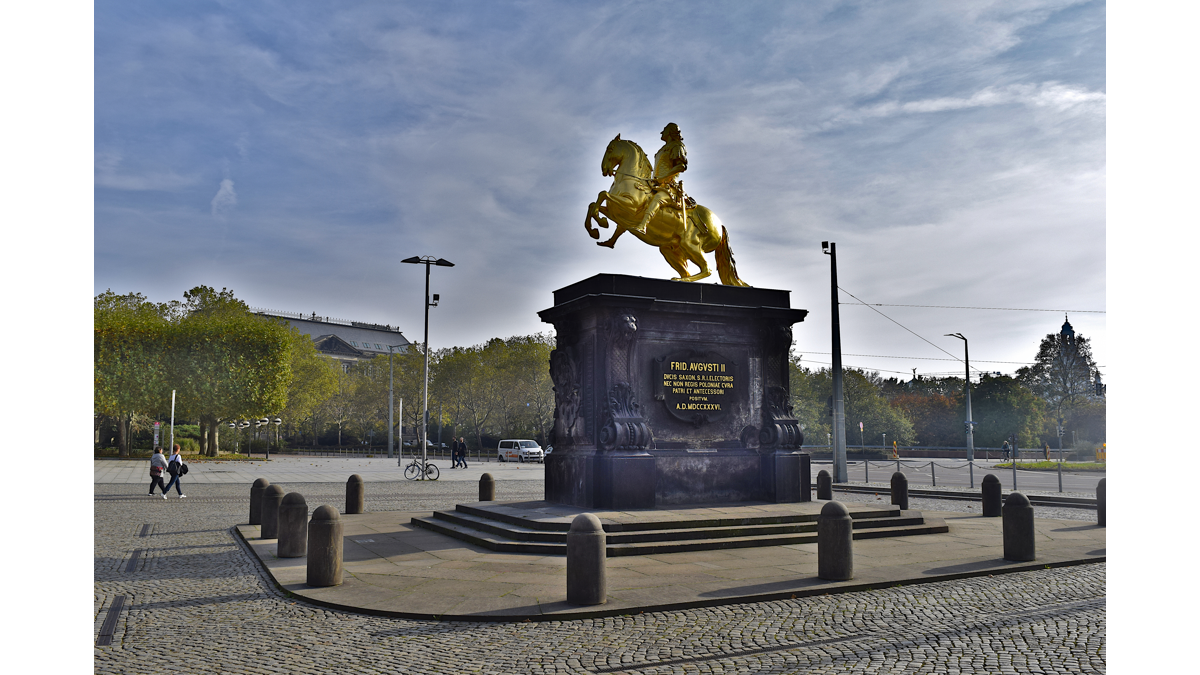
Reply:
x=345, y=366
x=353, y=343
x=377, y=346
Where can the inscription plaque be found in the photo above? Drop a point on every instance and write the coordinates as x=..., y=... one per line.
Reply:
x=696, y=388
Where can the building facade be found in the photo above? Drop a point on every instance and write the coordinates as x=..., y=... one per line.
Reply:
x=345, y=341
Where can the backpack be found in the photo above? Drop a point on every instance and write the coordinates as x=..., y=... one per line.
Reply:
x=183, y=469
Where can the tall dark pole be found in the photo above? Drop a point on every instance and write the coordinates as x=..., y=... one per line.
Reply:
x=426, y=261
x=969, y=423
x=425, y=414
x=839, y=410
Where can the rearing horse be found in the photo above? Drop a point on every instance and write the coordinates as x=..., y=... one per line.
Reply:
x=678, y=241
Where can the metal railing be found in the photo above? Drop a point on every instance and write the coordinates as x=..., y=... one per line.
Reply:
x=970, y=466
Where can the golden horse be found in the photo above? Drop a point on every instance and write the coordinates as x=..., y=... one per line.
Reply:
x=679, y=242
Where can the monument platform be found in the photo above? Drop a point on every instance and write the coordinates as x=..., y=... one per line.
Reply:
x=541, y=527
x=393, y=568
x=670, y=393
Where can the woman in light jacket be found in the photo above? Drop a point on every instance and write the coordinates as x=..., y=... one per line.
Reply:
x=157, y=464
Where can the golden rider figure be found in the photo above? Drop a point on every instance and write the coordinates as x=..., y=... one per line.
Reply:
x=669, y=163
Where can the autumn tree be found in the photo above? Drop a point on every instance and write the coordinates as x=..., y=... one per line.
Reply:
x=131, y=341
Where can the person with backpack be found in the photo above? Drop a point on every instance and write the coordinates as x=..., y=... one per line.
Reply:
x=157, y=464
x=176, y=468
x=462, y=452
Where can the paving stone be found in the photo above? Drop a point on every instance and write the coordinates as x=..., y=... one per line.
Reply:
x=195, y=579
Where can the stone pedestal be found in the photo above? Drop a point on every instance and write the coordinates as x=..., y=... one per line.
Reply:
x=671, y=393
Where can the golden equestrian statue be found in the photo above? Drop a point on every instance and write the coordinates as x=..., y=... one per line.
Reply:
x=649, y=202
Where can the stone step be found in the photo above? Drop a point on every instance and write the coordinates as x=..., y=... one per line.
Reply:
x=562, y=525
x=504, y=537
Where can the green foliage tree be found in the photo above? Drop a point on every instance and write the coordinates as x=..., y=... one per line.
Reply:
x=131, y=339
x=1064, y=371
x=222, y=360
x=229, y=364
x=937, y=419
x=863, y=400
x=314, y=379
x=1002, y=406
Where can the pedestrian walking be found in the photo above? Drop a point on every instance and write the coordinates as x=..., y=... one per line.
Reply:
x=176, y=468
x=1005, y=449
x=454, y=453
x=462, y=451
x=157, y=464
x=1046, y=450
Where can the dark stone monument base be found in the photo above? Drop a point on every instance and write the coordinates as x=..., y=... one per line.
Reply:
x=672, y=393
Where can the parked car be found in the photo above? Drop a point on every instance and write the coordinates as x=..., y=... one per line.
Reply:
x=520, y=450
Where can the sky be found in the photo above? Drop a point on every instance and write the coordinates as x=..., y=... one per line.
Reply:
x=296, y=152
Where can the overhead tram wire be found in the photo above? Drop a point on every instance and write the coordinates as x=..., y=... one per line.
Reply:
x=916, y=358
x=952, y=356
x=999, y=309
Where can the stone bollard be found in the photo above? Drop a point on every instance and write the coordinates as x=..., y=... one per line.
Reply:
x=256, y=491
x=991, y=496
x=805, y=477
x=325, y=547
x=1018, y=528
x=355, y=494
x=1100, y=503
x=487, y=488
x=271, y=498
x=835, y=543
x=900, y=490
x=824, y=485
x=293, y=527
x=586, y=579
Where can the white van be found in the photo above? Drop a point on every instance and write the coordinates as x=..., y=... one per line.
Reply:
x=520, y=450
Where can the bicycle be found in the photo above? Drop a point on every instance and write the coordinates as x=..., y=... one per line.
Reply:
x=413, y=470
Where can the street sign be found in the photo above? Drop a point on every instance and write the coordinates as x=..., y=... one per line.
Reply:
x=157, y=426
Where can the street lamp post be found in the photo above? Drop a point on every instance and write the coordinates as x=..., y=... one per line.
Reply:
x=427, y=261
x=839, y=410
x=277, y=423
x=969, y=423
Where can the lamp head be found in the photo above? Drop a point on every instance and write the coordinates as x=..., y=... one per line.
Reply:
x=414, y=260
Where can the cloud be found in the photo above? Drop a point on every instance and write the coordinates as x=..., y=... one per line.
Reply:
x=224, y=201
x=1062, y=98
x=109, y=174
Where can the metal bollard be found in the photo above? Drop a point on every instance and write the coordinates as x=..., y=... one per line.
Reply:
x=900, y=490
x=356, y=494
x=1060, y=472
x=835, y=543
x=1101, y=505
x=325, y=547
x=992, y=502
x=487, y=488
x=587, y=583
x=256, y=491
x=866, y=471
x=933, y=473
x=271, y=498
x=824, y=485
x=1018, y=528
x=293, y=527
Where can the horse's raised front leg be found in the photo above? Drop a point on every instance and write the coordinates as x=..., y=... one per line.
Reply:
x=593, y=213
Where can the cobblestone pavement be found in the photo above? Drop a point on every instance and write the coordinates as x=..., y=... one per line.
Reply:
x=192, y=579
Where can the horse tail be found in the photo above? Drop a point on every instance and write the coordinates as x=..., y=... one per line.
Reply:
x=726, y=268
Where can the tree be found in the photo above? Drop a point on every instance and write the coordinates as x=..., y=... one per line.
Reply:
x=863, y=403
x=227, y=362
x=1064, y=372
x=937, y=419
x=468, y=381
x=313, y=380
x=130, y=348
x=1002, y=406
